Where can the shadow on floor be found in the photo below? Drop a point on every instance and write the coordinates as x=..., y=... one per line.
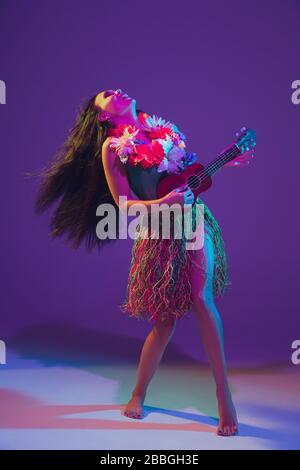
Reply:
x=54, y=345
x=22, y=411
x=114, y=356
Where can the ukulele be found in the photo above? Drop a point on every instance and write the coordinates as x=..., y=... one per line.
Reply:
x=198, y=177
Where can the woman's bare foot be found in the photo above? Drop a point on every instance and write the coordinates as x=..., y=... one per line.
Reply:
x=228, y=424
x=134, y=408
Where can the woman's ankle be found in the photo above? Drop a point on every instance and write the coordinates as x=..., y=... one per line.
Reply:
x=138, y=395
x=223, y=390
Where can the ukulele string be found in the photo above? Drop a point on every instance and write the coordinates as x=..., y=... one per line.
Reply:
x=212, y=166
x=210, y=169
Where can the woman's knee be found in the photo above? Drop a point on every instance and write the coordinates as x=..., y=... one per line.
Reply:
x=165, y=327
x=202, y=292
x=204, y=302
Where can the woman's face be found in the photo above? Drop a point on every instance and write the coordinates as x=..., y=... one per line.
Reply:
x=114, y=102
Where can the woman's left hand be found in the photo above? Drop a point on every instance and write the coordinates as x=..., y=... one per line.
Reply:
x=242, y=160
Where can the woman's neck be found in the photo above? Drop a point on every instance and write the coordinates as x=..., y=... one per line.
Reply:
x=130, y=118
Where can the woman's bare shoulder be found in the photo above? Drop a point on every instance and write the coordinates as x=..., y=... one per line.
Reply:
x=111, y=159
x=107, y=148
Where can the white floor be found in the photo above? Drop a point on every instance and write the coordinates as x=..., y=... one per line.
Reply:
x=53, y=407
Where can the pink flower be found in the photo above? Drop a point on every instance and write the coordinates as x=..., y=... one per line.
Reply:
x=147, y=155
x=124, y=144
x=165, y=151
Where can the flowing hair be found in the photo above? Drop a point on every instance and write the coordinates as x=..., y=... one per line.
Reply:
x=76, y=180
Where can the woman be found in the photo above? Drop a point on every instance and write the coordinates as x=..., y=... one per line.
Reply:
x=116, y=150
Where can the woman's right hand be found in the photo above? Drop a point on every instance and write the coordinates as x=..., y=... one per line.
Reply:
x=181, y=195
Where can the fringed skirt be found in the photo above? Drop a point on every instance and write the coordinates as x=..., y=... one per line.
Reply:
x=159, y=281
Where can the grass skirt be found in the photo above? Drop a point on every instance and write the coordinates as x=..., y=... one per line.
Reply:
x=159, y=281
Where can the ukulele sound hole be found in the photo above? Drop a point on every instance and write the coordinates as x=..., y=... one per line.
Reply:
x=194, y=181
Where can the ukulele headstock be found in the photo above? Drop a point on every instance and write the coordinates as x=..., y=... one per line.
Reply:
x=245, y=139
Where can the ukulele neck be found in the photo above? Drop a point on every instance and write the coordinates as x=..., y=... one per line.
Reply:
x=229, y=154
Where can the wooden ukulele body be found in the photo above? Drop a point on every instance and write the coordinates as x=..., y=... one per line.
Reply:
x=193, y=175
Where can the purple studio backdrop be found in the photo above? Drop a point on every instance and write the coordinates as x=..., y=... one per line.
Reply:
x=210, y=67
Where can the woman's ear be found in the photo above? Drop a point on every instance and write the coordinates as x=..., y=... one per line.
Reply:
x=98, y=101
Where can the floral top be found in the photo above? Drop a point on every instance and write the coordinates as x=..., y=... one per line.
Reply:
x=157, y=143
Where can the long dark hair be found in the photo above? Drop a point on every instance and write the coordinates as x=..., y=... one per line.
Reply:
x=76, y=179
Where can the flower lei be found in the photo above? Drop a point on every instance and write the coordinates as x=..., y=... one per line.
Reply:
x=166, y=150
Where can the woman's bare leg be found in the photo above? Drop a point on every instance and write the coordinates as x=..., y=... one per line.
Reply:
x=152, y=352
x=211, y=331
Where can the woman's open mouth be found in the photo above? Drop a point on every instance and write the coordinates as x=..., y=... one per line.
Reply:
x=125, y=96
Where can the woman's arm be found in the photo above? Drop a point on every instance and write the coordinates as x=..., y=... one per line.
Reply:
x=119, y=186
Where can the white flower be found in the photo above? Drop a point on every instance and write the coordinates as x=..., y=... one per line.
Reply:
x=166, y=144
x=163, y=166
x=124, y=145
x=154, y=122
x=172, y=161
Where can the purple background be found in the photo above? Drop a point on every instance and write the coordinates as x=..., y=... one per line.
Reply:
x=210, y=67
